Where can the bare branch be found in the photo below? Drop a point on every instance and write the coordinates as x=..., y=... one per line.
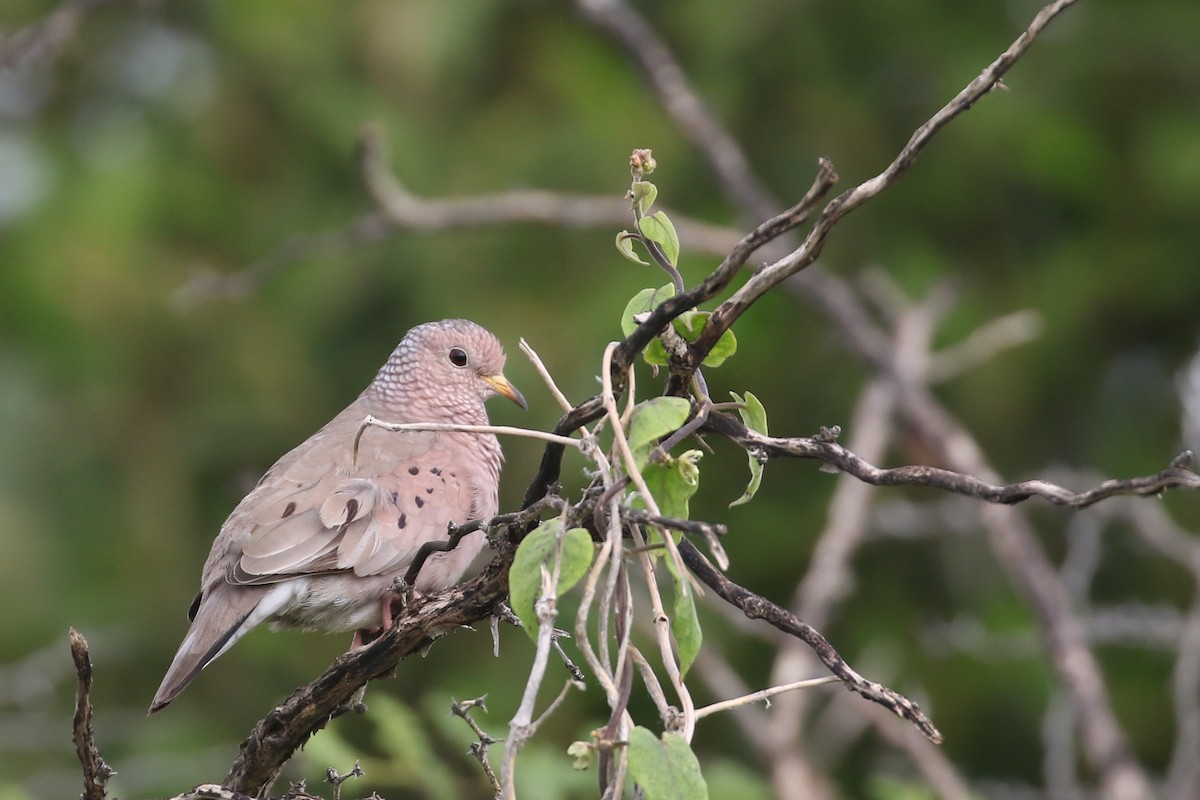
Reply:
x=758, y=607
x=824, y=449
x=482, y=741
x=211, y=791
x=95, y=772
x=1183, y=775
x=45, y=39
x=773, y=274
x=280, y=733
x=689, y=110
x=763, y=695
x=406, y=210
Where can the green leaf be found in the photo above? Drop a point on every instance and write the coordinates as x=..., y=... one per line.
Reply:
x=755, y=417
x=666, y=768
x=625, y=241
x=655, y=354
x=644, y=194
x=672, y=482
x=685, y=626
x=725, y=347
x=690, y=324
x=642, y=302
x=537, y=549
x=583, y=754
x=659, y=229
x=652, y=420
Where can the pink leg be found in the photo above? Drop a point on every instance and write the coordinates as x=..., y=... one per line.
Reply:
x=385, y=616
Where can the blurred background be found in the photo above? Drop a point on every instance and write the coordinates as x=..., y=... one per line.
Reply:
x=184, y=296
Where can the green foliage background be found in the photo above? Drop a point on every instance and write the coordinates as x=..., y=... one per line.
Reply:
x=185, y=139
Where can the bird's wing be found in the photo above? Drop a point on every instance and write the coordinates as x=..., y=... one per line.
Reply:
x=324, y=508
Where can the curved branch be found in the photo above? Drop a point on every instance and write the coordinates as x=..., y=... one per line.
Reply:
x=825, y=449
x=755, y=606
x=768, y=277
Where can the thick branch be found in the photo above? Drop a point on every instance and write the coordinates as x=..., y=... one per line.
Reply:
x=280, y=733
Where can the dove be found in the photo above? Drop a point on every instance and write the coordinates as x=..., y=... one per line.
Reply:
x=318, y=543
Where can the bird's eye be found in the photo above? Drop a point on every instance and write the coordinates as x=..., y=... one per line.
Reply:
x=458, y=357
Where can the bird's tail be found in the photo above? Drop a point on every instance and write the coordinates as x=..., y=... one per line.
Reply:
x=224, y=615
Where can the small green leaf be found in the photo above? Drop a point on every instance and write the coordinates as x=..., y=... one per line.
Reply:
x=672, y=482
x=666, y=768
x=644, y=194
x=690, y=324
x=685, y=626
x=642, y=302
x=655, y=354
x=625, y=241
x=725, y=347
x=659, y=229
x=536, y=549
x=755, y=417
x=582, y=753
x=652, y=420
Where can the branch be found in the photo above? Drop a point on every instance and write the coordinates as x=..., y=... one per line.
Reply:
x=44, y=39
x=95, y=772
x=770, y=276
x=479, y=747
x=757, y=607
x=692, y=116
x=823, y=448
x=280, y=733
x=405, y=210
x=628, y=349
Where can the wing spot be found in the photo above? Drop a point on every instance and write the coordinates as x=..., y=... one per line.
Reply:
x=429, y=490
x=393, y=496
x=418, y=501
x=400, y=523
x=351, y=511
x=288, y=510
x=414, y=470
x=436, y=470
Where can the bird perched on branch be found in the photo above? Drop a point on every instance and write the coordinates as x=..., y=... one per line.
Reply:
x=320, y=540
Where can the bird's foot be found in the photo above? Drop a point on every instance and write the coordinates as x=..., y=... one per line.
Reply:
x=364, y=636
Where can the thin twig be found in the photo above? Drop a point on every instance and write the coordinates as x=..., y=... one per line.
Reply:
x=837, y=208
x=545, y=375
x=522, y=726
x=502, y=430
x=660, y=618
x=757, y=607
x=763, y=695
x=479, y=747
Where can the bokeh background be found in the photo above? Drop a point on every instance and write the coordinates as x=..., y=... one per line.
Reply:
x=167, y=149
